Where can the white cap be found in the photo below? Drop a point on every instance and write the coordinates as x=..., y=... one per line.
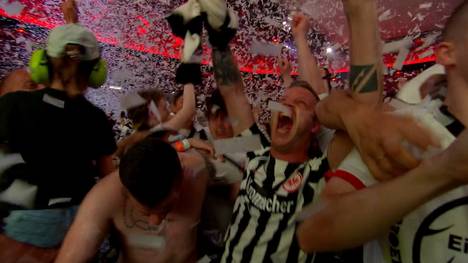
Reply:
x=60, y=36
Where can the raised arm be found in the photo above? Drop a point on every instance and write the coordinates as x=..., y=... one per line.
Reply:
x=365, y=78
x=349, y=220
x=366, y=88
x=308, y=67
x=229, y=81
x=185, y=115
x=346, y=218
x=91, y=224
x=70, y=11
x=366, y=66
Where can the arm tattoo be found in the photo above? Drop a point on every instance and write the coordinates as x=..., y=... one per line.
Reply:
x=225, y=69
x=364, y=78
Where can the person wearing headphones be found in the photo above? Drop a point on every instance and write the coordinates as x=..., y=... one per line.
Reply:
x=55, y=144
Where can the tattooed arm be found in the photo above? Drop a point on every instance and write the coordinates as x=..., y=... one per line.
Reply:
x=365, y=76
x=229, y=81
x=354, y=111
x=346, y=215
x=365, y=80
x=366, y=68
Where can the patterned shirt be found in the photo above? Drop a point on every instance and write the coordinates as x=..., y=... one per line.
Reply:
x=273, y=191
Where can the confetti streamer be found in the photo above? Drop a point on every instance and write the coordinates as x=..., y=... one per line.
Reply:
x=278, y=107
x=410, y=91
x=141, y=54
x=238, y=145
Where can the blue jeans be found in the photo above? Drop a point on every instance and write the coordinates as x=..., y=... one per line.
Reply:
x=42, y=228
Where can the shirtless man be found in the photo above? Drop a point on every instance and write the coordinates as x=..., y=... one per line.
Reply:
x=153, y=203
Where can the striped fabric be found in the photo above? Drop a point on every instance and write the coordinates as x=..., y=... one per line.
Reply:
x=263, y=224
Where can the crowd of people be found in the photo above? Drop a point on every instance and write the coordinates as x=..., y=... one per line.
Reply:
x=330, y=175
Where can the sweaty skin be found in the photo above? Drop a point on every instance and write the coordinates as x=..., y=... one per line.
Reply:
x=109, y=205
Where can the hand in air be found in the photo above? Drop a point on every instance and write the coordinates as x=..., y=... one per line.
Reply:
x=70, y=11
x=300, y=25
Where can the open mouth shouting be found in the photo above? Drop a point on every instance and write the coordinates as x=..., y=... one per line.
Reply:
x=285, y=121
x=285, y=124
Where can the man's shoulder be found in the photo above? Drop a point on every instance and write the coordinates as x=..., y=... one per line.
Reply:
x=26, y=97
x=92, y=109
x=109, y=189
x=94, y=116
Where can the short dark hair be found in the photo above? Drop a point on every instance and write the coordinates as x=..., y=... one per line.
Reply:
x=216, y=100
x=455, y=28
x=150, y=170
x=139, y=115
x=305, y=85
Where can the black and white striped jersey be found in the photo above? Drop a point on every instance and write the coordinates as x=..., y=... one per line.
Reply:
x=272, y=192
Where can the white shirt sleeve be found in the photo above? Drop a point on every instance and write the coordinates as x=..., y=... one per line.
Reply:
x=355, y=166
x=324, y=138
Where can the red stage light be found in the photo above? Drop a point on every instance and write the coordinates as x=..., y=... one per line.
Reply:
x=173, y=53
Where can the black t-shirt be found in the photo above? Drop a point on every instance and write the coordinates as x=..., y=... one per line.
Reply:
x=60, y=139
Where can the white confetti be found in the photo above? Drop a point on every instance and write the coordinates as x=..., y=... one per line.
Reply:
x=402, y=54
x=426, y=53
x=385, y=15
x=278, y=107
x=428, y=41
x=238, y=144
x=272, y=22
x=425, y=5
x=266, y=49
x=397, y=45
x=141, y=41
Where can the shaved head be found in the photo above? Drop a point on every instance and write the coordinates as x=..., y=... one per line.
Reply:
x=455, y=29
x=453, y=54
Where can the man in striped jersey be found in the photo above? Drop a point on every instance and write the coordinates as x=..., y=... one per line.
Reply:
x=283, y=177
x=279, y=179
